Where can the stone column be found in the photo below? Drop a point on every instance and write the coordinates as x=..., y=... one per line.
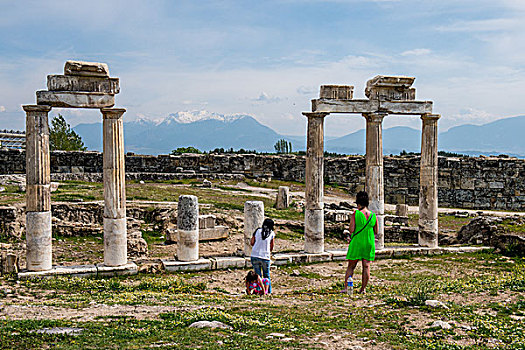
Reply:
x=374, y=171
x=314, y=181
x=428, y=182
x=38, y=193
x=115, y=236
x=188, y=228
x=283, y=197
x=253, y=219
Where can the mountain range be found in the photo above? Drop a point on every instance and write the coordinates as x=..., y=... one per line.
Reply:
x=207, y=131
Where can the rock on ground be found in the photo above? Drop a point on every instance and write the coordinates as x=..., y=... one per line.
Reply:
x=210, y=324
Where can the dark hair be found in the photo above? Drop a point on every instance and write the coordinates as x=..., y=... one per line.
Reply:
x=251, y=276
x=267, y=228
x=362, y=198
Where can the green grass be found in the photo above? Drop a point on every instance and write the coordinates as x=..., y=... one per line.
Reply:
x=485, y=298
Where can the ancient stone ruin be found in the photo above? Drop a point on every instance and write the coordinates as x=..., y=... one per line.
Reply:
x=83, y=85
x=386, y=95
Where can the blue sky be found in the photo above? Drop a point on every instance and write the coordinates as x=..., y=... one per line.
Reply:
x=268, y=58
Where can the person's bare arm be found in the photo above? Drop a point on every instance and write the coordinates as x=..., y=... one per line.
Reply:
x=248, y=288
x=271, y=245
x=252, y=240
x=376, y=228
x=352, y=224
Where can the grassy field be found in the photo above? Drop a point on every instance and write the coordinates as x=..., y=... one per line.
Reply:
x=482, y=294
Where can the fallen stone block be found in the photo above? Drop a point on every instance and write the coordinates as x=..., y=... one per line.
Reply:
x=337, y=255
x=281, y=259
x=384, y=253
x=88, y=69
x=229, y=262
x=177, y=266
x=299, y=258
x=74, y=99
x=319, y=257
x=210, y=324
x=109, y=271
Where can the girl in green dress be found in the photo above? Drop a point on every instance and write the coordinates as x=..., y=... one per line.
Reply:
x=363, y=227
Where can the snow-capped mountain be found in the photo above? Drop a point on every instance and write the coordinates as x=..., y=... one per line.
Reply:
x=187, y=117
x=201, y=129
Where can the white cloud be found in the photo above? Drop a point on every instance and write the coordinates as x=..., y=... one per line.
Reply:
x=265, y=98
x=488, y=25
x=306, y=90
x=2, y=109
x=416, y=52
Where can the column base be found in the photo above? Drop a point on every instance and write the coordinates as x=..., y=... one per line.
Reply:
x=314, y=230
x=38, y=237
x=115, y=242
x=187, y=245
x=428, y=233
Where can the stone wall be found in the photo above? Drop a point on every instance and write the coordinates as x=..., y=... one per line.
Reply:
x=467, y=182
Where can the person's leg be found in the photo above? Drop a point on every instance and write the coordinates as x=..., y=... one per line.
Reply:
x=266, y=273
x=257, y=265
x=365, y=276
x=349, y=271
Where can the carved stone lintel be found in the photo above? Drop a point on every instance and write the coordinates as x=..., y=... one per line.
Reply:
x=69, y=99
x=85, y=84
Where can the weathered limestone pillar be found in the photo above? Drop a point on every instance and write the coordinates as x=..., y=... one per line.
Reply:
x=38, y=193
x=283, y=197
x=253, y=219
x=374, y=171
x=402, y=209
x=428, y=180
x=188, y=228
x=115, y=237
x=314, y=181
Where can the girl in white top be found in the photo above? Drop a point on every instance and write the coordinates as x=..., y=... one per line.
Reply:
x=262, y=242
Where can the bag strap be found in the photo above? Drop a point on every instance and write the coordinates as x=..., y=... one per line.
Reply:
x=362, y=228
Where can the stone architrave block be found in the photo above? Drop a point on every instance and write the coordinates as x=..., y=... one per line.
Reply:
x=336, y=92
x=87, y=69
x=70, y=99
x=206, y=221
x=80, y=83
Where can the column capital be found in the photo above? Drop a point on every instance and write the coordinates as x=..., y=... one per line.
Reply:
x=315, y=114
x=375, y=117
x=112, y=113
x=36, y=108
x=430, y=117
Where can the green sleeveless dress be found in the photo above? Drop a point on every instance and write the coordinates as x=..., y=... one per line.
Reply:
x=363, y=244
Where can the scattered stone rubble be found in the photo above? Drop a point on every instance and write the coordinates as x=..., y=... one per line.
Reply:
x=491, y=231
